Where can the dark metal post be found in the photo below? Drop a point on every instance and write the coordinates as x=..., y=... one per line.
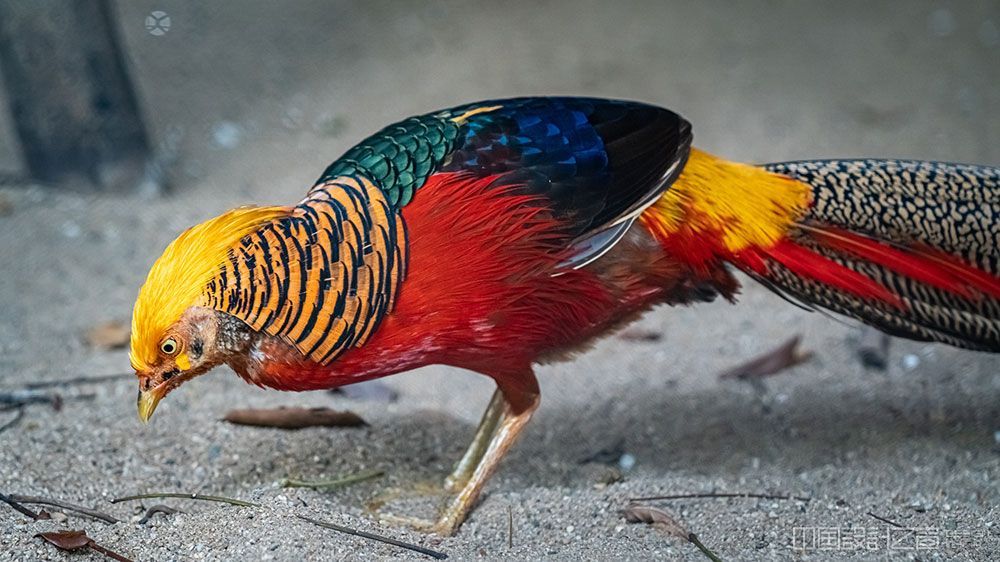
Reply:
x=73, y=106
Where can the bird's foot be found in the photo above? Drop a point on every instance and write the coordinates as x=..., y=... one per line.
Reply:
x=392, y=494
x=501, y=425
x=418, y=524
x=445, y=525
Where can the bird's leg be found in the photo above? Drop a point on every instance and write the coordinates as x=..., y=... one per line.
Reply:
x=513, y=420
x=509, y=411
x=465, y=467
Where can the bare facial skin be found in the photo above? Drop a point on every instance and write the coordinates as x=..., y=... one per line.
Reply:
x=199, y=341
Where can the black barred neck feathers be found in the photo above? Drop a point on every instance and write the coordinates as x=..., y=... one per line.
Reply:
x=320, y=277
x=178, y=278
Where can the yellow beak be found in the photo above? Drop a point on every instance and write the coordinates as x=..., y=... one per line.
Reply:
x=147, y=402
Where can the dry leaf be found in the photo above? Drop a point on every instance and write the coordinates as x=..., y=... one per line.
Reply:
x=665, y=522
x=639, y=335
x=658, y=518
x=783, y=357
x=67, y=540
x=108, y=335
x=294, y=418
x=72, y=541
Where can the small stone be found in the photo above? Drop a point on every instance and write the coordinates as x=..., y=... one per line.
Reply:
x=227, y=135
x=71, y=230
x=626, y=462
x=610, y=476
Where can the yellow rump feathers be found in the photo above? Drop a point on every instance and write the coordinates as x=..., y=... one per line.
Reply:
x=179, y=276
x=744, y=206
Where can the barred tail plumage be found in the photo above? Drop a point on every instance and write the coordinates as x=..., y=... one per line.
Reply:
x=909, y=247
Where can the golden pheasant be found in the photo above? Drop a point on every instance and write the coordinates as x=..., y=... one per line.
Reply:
x=500, y=234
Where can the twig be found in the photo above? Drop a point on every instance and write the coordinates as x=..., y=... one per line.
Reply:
x=18, y=398
x=19, y=507
x=886, y=521
x=108, y=552
x=693, y=538
x=158, y=508
x=510, y=527
x=220, y=499
x=337, y=483
x=722, y=495
x=23, y=397
x=75, y=381
x=379, y=538
x=73, y=541
x=13, y=421
x=64, y=505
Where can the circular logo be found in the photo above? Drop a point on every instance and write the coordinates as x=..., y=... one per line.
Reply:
x=157, y=23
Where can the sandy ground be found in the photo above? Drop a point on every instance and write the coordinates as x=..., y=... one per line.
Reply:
x=251, y=102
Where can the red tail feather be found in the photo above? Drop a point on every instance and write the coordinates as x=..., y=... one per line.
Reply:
x=973, y=277
x=811, y=265
x=916, y=266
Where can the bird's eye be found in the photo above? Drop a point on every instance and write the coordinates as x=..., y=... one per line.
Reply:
x=169, y=346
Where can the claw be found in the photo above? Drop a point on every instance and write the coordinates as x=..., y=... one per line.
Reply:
x=392, y=494
x=416, y=523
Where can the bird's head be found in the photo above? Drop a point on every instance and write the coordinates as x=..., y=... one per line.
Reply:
x=176, y=335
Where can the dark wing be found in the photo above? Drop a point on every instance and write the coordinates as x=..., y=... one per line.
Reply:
x=595, y=161
x=598, y=163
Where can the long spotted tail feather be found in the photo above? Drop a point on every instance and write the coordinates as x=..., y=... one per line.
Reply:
x=909, y=247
